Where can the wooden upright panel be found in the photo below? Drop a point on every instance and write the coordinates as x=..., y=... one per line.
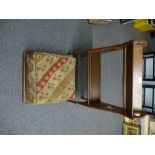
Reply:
x=137, y=76
x=94, y=76
x=133, y=81
x=128, y=56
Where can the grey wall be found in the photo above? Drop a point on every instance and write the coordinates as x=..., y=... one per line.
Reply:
x=61, y=36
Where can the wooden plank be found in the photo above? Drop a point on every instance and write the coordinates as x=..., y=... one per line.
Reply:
x=94, y=76
x=124, y=78
x=113, y=48
x=129, y=79
x=100, y=50
x=137, y=77
x=133, y=84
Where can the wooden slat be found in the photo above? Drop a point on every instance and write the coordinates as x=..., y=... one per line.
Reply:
x=100, y=50
x=113, y=48
x=137, y=77
x=108, y=107
x=94, y=76
x=129, y=79
x=124, y=78
x=133, y=85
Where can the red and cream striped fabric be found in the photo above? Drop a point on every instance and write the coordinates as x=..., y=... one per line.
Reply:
x=49, y=77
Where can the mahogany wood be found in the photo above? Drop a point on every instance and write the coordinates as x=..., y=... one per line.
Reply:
x=132, y=78
x=94, y=76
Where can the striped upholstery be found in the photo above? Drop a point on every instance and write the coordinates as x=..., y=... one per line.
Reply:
x=49, y=77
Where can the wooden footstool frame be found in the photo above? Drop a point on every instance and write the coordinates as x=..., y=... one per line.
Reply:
x=132, y=78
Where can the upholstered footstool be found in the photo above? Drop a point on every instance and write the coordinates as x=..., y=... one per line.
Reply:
x=48, y=77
